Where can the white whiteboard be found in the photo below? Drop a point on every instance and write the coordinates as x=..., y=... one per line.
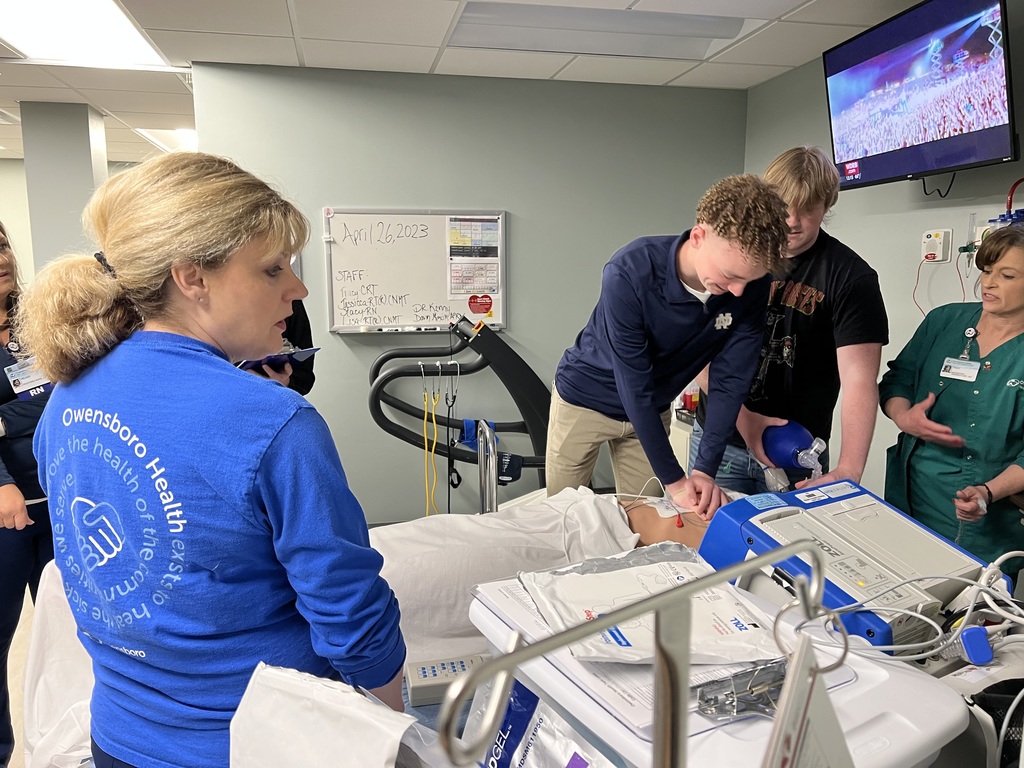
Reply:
x=394, y=270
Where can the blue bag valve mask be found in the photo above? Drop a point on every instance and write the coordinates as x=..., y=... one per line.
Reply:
x=790, y=447
x=784, y=443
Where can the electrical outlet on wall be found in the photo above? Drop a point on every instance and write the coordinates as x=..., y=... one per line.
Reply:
x=980, y=226
x=937, y=246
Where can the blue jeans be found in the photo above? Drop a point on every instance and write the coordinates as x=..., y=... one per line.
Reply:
x=739, y=470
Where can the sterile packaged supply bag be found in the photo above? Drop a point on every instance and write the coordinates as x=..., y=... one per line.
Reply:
x=531, y=735
x=724, y=626
x=58, y=683
x=291, y=718
x=421, y=748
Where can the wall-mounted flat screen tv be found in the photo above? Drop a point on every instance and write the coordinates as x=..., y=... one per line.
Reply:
x=925, y=92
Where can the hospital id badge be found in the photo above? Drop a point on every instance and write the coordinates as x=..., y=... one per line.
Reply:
x=26, y=380
x=961, y=370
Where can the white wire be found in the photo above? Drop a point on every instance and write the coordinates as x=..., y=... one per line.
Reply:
x=644, y=486
x=1006, y=641
x=638, y=497
x=1003, y=558
x=981, y=589
x=1006, y=727
x=934, y=645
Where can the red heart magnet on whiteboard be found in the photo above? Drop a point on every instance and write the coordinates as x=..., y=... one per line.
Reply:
x=480, y=305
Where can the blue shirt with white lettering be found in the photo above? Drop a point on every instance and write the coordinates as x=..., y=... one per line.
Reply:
x=648, y=337
x=203, y=523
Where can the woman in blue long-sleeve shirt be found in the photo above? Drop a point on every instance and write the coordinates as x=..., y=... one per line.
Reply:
x=202, y=519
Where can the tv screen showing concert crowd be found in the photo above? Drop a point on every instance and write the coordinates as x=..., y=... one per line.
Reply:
x=926, y=92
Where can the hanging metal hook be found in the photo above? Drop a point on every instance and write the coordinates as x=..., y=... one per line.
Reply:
x=450, y=401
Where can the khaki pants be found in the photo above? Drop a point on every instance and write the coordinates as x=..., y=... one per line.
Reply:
x=575, y=437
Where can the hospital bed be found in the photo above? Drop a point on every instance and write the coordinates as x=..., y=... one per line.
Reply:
x=891, y=713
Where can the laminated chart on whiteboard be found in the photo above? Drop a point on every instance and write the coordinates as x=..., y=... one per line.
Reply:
x=414, y=271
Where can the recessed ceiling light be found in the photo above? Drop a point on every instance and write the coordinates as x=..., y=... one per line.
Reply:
x=83, y=33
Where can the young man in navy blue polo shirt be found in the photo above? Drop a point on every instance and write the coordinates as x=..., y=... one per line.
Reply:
x=669, y=305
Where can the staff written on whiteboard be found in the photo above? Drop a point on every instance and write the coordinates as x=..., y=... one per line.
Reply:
x=381, y=233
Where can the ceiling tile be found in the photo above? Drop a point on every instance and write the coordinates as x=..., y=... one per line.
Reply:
x=132, y=153
x=182, y=48
x=118, y=80
x=27, y=74
x=739, y=76
x=334, y=54
x=253, y=17
x=10, y=92
x=400, y=22
x=743, y=9
x=141, y=144
x=610, y=5
x=150, y=120
x=117, y=132
x=405, y=36
x=132, y=101
x=9, y=53
x=517, y=64
x=749, y=27
x=865, y=13
x=620, y=69
x=787, y=44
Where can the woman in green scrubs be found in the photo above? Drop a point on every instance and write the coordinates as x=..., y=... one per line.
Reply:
x=956, y=392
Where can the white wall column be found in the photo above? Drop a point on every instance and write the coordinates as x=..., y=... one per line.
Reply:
x=65, y=160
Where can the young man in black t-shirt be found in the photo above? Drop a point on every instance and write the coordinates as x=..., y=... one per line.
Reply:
x=825, y=328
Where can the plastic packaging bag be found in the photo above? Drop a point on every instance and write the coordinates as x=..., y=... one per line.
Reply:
x=724, y=627
x=532, y=735
x=58, y=683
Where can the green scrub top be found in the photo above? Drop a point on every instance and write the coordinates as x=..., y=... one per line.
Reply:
x=922, y=478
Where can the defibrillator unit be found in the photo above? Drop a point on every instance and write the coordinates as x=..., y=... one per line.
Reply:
x=869, y=548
